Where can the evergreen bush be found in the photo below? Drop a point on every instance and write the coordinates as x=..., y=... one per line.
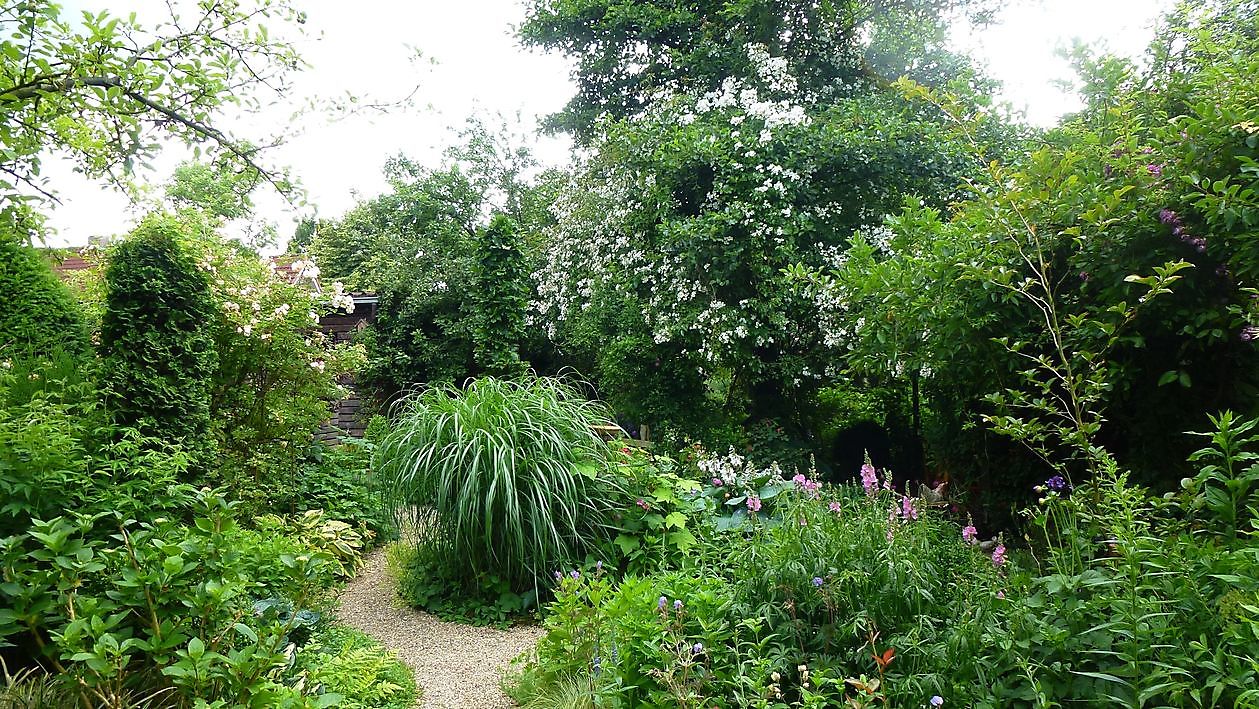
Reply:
x=155, y=337
x=39, y=314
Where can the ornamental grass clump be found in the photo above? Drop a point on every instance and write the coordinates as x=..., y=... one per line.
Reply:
x=503, y=477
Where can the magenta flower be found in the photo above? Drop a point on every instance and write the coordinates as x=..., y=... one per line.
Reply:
x=1154, y=169
x=754, y=503
x=998, y=555
x=970, y=534
x=643, y=504
x=717, y=482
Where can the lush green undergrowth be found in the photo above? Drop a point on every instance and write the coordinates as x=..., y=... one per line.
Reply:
x=845, y=596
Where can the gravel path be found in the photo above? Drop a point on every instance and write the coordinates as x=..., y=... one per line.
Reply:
x=457, y=666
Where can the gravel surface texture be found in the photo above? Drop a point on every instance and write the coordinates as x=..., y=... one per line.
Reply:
x=457, y=666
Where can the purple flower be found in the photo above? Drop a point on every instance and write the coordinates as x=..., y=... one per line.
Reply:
x=575, y=574
x=717, y=482
x=558, y=575
x=662, y=603
x=1249, y=333
x=697, y=648
x=599, y=565
x=869, y=479
x=937, y=701
x=677, y=605
x=998, y=555
x=1167, y=216
x=969, y=534
x=1057, y=483
x=817, y=581
x=754, y=503
x=1154, y=169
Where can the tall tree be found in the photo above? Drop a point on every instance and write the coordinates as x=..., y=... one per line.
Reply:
x=630, y=53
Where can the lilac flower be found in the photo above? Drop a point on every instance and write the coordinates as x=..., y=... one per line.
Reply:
x=937, y=701
x=717, y=482
x=834, y=507
x=575, y=574
x=558, y=575
x=908, y=511
x=869, y=479
x=998, y=555
x=1249, y=333
x=697, y=649
x=677, y=605
x=817, y=581
x=662, y=603
x=969, y=534
x=799, y=479
x=754, y=503
x=599, y=565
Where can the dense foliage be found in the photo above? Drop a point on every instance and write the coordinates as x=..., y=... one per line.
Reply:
x=41, y=315
x=453, y=286
x=155, y=337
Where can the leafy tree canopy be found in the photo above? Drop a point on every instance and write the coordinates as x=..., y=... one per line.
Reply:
x=105, y=90
x=629, y=54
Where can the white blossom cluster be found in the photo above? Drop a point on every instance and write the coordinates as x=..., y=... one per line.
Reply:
x=617, y=231
x=734, y=470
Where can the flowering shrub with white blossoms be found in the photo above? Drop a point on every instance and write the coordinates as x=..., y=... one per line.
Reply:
x=689, y=216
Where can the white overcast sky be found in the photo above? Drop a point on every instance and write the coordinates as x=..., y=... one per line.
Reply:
x=473, y=64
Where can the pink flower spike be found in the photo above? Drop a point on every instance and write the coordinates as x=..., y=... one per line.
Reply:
x=998, y=555
x=908, y=511
x=969, y=534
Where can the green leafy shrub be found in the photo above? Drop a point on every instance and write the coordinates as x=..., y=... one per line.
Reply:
x=156, y=337
x=657, y=514
x=503, y=477
x=159, y=606
x=58, y=453
x=338, y=480
x=347, y=663
x=340, y=541
x=40, y=315
x=1146, y=600
x=427, y=579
